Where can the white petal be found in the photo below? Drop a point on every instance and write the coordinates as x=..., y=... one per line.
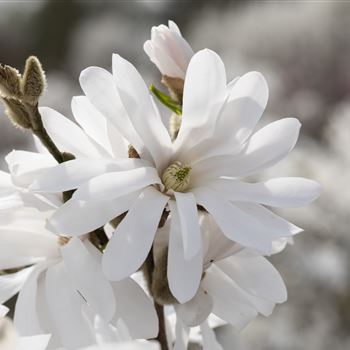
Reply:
x=99, y=86
x=209, y=338
x=68, y=137
x=182, y=333
x=78, y=217
x=229, y=303
x=235, y=223
x=141, y=111
x=37, y=342
x=65, y=305
x=264, y=149
x=195, y=311
x=135, y=308
x=12, y=283
x=88, y=279
x=26, y=316
x=70, y=175
x=284, y=192
x=183, y=275
x=115, y=184
x=3, y=310
x=257, y=276
x=25, y=167
x=204, y=93
x=188, y=214
x=133, y=238
x=97, y=126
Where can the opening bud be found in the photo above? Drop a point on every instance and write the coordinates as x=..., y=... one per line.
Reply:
x=17, y=113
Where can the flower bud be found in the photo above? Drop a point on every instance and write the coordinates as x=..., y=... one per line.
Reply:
x=176, y=177
x=9, y=82
x=169, y=51
x=17, y=113
x=33, y=81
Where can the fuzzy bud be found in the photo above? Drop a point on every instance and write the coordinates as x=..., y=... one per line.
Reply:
x=17, y=113
x=9, y=82
x=33, y=81
x=176, y=177
x=160, y=288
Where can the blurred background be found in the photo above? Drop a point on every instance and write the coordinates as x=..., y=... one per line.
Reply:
x=303, y=49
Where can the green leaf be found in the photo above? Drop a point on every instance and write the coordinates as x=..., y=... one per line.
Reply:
x=167, y=100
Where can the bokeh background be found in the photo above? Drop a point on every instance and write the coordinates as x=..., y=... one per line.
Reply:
x=303, y=49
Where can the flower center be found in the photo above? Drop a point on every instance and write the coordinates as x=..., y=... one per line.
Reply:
x=176, y=177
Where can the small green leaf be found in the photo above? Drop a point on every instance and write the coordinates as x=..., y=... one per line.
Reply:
x=167, y=100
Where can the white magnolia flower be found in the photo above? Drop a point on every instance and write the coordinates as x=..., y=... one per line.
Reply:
x=236, y=285
x=215, y=149
x=169, y=51
x=58, y=277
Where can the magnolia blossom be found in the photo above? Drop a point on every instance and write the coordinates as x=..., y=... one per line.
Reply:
x=237, y=284
x=64, y=278
x=215, y=149
x=169, y=51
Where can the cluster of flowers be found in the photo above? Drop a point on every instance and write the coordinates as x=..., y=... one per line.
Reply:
x=117, y=216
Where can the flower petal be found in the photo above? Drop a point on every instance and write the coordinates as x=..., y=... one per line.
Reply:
x=65, y=306
x=184, y=275
x=284, y=192
x=115, y=184
x=189, y=221
x=264, y=149
x=135, y=308
x=141, y=111
x=70, y=175
x=68, y=137
x=88, y=279
x=37, y=342
x=257, y=276
x=133, y=238
x=204, y=93
x=77, y=217
x=182, y=333
x=209, y=338
x=230, y=303
x=99, y=86
x=235, y=223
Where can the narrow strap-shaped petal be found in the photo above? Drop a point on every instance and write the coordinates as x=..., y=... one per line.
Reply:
x=209, y=339
x=189, y=221
x=184, y=275
x=133, y=238
x=182, y=333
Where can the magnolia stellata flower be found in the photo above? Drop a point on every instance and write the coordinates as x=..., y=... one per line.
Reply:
x=64, y=276
x=216, y=147
x=236, y=284
x=169, y=51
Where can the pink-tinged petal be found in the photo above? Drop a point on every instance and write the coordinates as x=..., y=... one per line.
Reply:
x=264, y=149
x=284, y=192
x=68, y=137
x=204, y=94
x=77, y=217
x=197, y=310
x=100, y=88
x=230, y=304
x=133, y=238
x=12, y=283
x=141, y=111
x=135, y=309
x=70, y=175
x=87, y=277
x=65, y=307
x=184, y=275
x=116, y=184
x=236, y=224
x=189, y=221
